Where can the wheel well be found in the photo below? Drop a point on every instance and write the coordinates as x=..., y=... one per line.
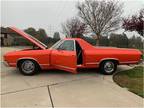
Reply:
x=114, y=60
x=21, y=60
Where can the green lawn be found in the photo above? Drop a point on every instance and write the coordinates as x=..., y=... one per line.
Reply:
x=132, y=80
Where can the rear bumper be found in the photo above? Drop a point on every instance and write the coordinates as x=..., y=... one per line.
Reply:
x=131, y=62
x=141, y=61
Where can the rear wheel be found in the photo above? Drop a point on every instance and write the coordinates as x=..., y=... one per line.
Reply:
x=108, y=67
x=28, y=67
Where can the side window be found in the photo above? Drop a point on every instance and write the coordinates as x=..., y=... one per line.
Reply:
x=67, y=45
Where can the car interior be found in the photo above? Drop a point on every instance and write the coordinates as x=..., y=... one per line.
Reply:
x=79, y=54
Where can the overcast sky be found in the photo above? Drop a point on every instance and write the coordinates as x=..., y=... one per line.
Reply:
x=48, y=14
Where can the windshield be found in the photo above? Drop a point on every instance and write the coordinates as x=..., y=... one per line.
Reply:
x=56, y=44
x=37, y=41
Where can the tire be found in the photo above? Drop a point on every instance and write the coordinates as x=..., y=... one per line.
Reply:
x=108, y=67
x=28, y=67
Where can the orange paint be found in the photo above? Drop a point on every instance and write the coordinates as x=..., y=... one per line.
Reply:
x=67, y=60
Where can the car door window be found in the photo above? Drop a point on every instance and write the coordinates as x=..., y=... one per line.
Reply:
x=67, y=45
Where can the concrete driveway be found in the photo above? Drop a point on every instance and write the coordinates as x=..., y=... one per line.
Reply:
x=62, y=89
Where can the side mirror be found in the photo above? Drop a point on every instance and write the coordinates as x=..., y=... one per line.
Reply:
x=58, y=49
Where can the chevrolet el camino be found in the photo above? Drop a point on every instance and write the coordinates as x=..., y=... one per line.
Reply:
x=69, y=54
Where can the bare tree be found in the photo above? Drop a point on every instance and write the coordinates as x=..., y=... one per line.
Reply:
x=74, y=28
x=101, y=16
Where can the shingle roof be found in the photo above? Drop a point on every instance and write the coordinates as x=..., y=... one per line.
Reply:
x=6, y=30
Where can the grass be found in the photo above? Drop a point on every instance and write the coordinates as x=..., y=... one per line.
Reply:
x=132, y=80
x=143, y=56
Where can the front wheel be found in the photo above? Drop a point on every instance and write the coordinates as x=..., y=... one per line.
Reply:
x=108, y=67
x=28, y=67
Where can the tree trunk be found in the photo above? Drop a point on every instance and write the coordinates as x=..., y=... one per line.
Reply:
x=97, y=42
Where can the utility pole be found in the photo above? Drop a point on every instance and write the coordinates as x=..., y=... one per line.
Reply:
x=50, y=30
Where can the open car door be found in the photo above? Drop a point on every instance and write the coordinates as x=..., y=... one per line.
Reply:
x=64, y=57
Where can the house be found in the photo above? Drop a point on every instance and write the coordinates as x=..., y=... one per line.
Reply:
x=9, y=37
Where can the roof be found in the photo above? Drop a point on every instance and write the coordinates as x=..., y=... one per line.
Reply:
x=6, y=31
x=83, y=43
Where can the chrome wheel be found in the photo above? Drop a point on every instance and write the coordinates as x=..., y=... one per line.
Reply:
x=109, y=67
x=28, y=66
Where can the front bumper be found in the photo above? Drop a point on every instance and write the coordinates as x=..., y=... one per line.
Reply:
x=5, y=63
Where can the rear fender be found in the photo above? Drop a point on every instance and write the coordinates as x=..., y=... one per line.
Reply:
x=107, y=59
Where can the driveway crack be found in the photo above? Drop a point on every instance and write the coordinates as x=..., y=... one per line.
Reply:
x=50, y=96
x=44, y=86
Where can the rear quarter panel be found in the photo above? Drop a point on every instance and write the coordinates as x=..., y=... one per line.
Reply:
x=124, y=56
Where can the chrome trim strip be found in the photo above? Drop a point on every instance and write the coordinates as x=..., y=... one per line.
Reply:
x=92, y=63
x=74, y=45
x=64, y=66
x=108, y=59
x=32, y=59
x=26, y=58
x=130, y=62
x=45, y=64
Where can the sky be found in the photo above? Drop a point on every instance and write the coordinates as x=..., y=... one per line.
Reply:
x=49, y=14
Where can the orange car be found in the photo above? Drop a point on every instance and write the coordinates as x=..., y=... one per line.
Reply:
x=69, y=54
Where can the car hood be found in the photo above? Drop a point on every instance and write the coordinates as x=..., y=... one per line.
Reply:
x=29, y=38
